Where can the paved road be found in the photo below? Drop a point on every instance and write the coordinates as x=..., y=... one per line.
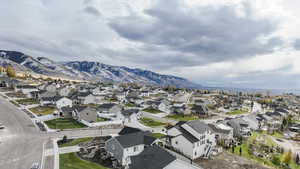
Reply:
x=21, y=143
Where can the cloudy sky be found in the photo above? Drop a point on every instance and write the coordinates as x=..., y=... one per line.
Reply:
x=236, y=43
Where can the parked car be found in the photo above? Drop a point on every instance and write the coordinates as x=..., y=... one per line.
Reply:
x=35, y=166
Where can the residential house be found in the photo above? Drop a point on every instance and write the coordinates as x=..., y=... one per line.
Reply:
x=64, y=91
x=109, y=108
x=176, y=109
x=4, y=81
x=194, y=139
x=49, y=100
x=134, y=100
x=83, y=98
x=144, y=93
x=240, y=127
x=151, y=104
x=200, y=110
x=97, y=91
x=124, y=146
x=252, y=121
x=129, y=115
x=223, y=133
x=26, y=89
x=67, y=112
x=85, y=113
x=51, y=87
x=154, y=157
x=42, y=93
x=63, y=102
x=162, y=105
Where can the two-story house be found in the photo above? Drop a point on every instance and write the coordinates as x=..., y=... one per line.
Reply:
x=155, y=157
x=85, y=113
x=124, y=146
x=194, y=139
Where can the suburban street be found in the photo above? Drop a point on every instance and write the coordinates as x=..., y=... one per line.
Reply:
x=21, y=143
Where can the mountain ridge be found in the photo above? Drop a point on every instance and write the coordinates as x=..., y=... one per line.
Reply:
x=89, y=70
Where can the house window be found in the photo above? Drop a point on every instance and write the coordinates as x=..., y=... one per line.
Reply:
x=135, y=149
x=176, y=142
x=195, y=153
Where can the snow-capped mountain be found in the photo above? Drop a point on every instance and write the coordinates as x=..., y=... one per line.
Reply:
x=88, y=70
x=125, y=74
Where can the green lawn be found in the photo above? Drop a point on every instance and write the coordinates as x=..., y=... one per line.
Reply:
x=17, y=95
x=153, y=111
x=100, y=119
x=237, y=112
x=150, y=122
x=182, y=117
x=75, y=142
x=129, y=105
x=157, y=135
x=64, y=123
x=211, y=106
x=27, y=101
x=276, y=134
x=269, y=142
x=72, y=161
x=43, y=110
x=245, y=149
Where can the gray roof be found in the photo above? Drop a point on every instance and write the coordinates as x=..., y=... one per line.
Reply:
x=187, y=135
x=26, y=86
x=200, y=109
x=218, y=130
x=67, y=109
x=150, y=102
x=129, y=112
x=198, y=126
x=282, y=110
x=129, y=130
x=83, y=94
x=81, y=108
x=134, y=139
x=55, y=98
x=152, y=157
x=106, y=106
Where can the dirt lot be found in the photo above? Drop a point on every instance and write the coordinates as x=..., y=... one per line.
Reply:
x=229, y=161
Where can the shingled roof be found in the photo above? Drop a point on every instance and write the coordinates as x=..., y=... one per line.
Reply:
x=134, y=139
x=152, y=157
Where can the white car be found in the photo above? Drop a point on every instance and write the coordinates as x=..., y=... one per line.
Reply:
x=35, y=166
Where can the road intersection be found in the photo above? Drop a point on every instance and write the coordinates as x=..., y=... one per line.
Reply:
x=22, y=143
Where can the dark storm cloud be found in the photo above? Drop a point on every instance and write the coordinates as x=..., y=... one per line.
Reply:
x=92, y=11
x=208, y=33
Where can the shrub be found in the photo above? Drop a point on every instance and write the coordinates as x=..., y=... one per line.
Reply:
x=275, y=160
x=287, y=157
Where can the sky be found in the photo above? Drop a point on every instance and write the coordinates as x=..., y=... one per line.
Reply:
x=224, y=43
